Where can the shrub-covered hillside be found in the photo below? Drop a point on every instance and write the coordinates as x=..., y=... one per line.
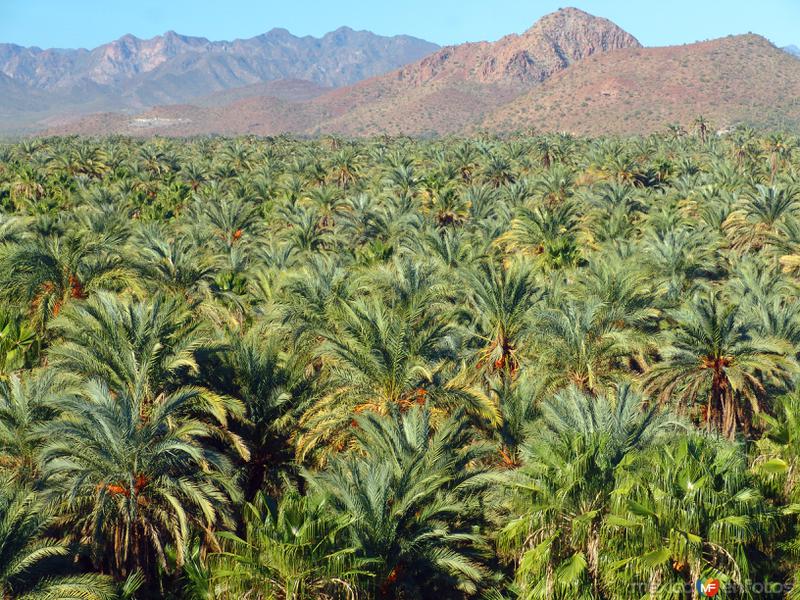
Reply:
x=535, y=367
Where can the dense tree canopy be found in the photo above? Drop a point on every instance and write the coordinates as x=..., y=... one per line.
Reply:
x=533, y=367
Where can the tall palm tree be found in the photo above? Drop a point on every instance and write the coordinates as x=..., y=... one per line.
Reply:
x=44, y=274
x=274, y=388
x=518, y=407
x=779, y=149
x=546, y=234
x=28, y=404
x=310, y=297
x=345, y=167
x=753, y=224
x=131, y=481
x=225, y=221
x=555, y=186
x=408, y=284
x=712, y=352
x=679, y=258
x=500, y=302
x=631, y=300
x=382, y=360
x=702, y=127
x=562, y=493
x=577, y=344
x=175, y=265
x=413, y=496
x=146, y=349
x=448, y=207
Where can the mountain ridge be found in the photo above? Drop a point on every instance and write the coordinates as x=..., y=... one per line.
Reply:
x=438, y=93
x=104, y=63
x=131, y=73
x=734, y=80
x=569, y=71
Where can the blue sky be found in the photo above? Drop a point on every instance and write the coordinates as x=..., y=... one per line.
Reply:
x=88, y=23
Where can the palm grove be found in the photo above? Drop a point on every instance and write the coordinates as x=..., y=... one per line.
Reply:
x=536, y=367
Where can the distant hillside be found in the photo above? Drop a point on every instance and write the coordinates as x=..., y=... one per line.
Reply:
x=290, y=90
x=571, y=71
x=131, y=73
x=458, y=84
x=441, y=93
x=793, y=50
x=738, y=79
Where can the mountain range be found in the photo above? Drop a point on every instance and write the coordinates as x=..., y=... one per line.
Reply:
x=793, y=50
x=571, y=71
x=134, y=74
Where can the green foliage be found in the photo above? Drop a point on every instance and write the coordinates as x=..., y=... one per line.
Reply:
x=25, y=551
x=562, y=495
x=693, y=509
x=413, y=495
x=133, y=478
x=294, y=549
x=533, y=367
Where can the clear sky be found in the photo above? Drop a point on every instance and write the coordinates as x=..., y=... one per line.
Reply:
x=89, y=23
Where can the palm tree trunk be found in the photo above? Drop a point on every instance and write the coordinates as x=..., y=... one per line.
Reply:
x=728, y=414
x=694, y=576
x=654, y=584
x=744, y=415
x=549, y=579
x=592, y=552
x=714, y=418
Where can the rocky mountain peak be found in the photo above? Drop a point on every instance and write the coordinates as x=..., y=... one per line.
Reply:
x=581, y=33
x=553, y=43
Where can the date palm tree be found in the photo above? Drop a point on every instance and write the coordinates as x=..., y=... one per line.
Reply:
x=381, y=360
x=225, y=221
x=779, y=149
x=146, y=349
x=345, y=167
x=28, y=403
x=131, y=481
x=175, y=265
x=702, y=126
x=500, y=301
x=679, y=258
x=548, y=234
x=412, y=493
x=715, y=355
x=43, y=274
x=274, y=389
x=753, y=224
x=577, y=344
